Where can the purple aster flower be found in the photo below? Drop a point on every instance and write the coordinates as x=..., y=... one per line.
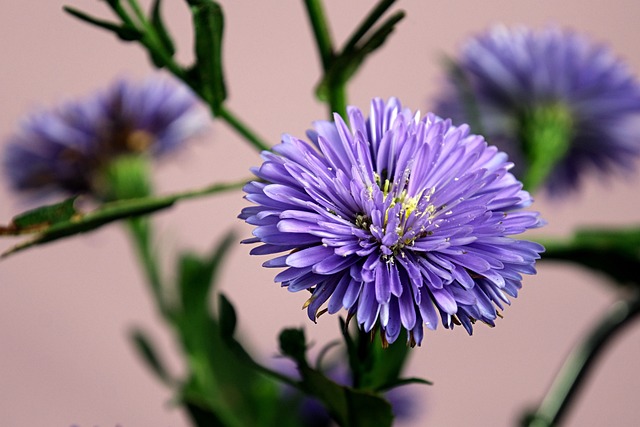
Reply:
x=64, y=148
x=397, y=219
x=506, y=76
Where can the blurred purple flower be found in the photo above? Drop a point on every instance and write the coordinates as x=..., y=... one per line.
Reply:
x=503, y=75
x=312, y=413
x=395, y=219
x=63, y=149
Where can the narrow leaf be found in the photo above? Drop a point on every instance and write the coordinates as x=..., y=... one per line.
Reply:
x=64, y=222
x=161, y=30
x=227, y=317
x=348, y=62
x=82, y=223
x=368, y=23
x=208, y=22
x=148, y=353
x=403, y=381
x=40, y=218
x=124, y=32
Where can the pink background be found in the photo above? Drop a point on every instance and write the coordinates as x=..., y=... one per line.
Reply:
x=65, y=309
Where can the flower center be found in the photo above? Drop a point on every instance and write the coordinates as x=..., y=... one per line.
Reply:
x=404, y=219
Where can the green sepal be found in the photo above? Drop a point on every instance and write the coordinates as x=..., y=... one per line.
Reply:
x=545, y=133
x=206, y=75
x=148, y=353
x=125, y=177
x=123, y=32
x=375, y=364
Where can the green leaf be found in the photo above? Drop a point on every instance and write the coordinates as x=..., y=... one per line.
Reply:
x=203, y=416
x=41, y=217
x=197, y=276
x=148, y=353
x=368, y=23
x=124, y=32
x=82, y=223
x=162, y=34
x=293, y=344
x=206, y=75
x=53, y=222
x=227, y=317
x=402, y=381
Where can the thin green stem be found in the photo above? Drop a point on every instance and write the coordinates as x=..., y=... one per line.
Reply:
x=240, y=127
x=338, y=99
x=337, y=94
x=317, y=18
x=141, y=234
x=367, y=23
x=152, y=43
x=577, y=366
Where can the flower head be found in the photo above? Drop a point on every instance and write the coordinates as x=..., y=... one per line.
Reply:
x=63, y=149
x=507, y=80
x=397, y=219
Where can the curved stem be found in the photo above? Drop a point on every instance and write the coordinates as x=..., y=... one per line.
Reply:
x=577, y=366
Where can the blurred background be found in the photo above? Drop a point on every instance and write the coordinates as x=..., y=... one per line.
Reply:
x=66, y=309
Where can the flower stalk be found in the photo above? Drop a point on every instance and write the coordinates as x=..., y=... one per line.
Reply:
x=580, y=363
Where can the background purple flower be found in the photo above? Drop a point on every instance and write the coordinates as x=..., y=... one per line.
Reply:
x=397, y=219
x=312, y=412
x=62, y=149
x=503, y=75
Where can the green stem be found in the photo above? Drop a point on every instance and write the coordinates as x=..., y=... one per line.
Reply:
x=152, y=43
x=141, y=233
x=240, y=127
x=317, y=18
x=338, y=99
x=577, y=366
x=337, y=94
